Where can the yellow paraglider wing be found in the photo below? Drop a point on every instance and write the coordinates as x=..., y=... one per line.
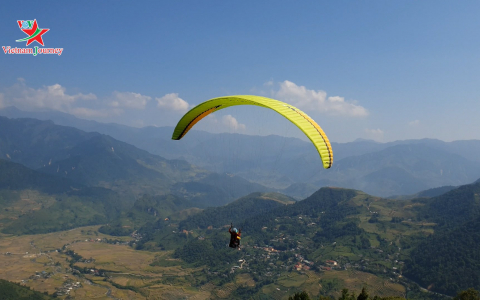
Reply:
x=293, y=114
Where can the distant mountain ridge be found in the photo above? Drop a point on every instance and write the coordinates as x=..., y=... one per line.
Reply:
x=401, y=169
x=279, y=162
x=95, y=159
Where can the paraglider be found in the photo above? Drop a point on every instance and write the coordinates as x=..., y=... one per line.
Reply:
x=235, y=236
x=309, y=127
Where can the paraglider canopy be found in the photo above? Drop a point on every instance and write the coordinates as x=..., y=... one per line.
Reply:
x=309, y=127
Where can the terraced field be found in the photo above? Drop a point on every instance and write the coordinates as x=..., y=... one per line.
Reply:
x=131, y=275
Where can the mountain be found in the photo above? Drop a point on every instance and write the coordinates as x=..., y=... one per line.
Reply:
x=449, y=260
x=175, y=233
x=236, y=211
x=433, y=241
x=401, y=169
x=35, y=143
x=455, y=207
x=15, y=176
x=104, y=161
x=384, y=169
x=300, y=191
x=156, y=140
x=216, y=189
x=95, y=159
x=426, y=193
x=32, y=202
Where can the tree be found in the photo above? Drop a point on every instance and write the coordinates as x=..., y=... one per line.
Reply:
x=300, y=296
x=470, y=294
x=363, y=295
x=346, y=295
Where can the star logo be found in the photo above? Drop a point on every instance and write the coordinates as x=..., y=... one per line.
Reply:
x=31, y=29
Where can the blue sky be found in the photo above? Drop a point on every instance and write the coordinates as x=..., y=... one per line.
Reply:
x=383, y=70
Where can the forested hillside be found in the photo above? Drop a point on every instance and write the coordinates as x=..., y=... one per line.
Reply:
x=454, y=244
x=14, y=291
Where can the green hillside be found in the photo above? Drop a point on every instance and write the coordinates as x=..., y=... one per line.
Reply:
x=148, y=209
x=449, y=260
x=237, y=211
x=88, y=206
x=358, y=231
x=454, y=245
x=14, y=176
x=13, y=291
x=33, y=202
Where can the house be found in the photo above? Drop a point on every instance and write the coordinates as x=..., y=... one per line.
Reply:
x=331, y=262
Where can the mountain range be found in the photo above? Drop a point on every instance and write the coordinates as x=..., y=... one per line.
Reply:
x=290, y=165
x=55, y=177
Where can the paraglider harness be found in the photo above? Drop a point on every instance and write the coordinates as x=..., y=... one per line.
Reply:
x=235, y=236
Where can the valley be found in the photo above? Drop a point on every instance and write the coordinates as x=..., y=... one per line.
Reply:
x=107, y=220
x=35, y=262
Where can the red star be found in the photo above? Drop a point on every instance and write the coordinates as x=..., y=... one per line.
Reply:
x=32, y=31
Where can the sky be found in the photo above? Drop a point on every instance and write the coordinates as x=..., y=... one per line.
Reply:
x=381, y=70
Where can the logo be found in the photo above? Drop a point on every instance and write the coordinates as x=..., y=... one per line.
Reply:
x=34, y=34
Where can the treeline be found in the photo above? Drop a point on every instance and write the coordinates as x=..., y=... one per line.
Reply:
x=470, y=294
x=235, y=212
x=14, y=291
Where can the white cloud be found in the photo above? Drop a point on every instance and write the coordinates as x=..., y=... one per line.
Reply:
x=269, y=83
x=313, y=100
x=232, y=123
x=172, y=102
x=375, y=134
x=212, y=118
x=129, y=100
x=130, y=106
x=414, y=123
x=47, y=97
